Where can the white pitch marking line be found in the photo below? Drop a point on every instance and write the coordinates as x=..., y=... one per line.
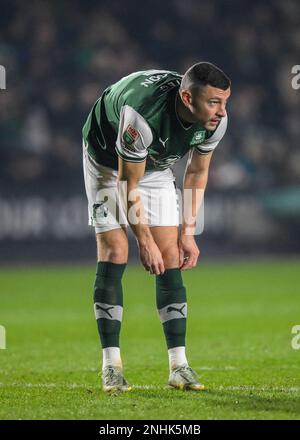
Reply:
x=151, y=387
x=227, y=388
x=203, y=368
x=255, y=388
x=224, y=368
x=227, y=368
x=44, y=385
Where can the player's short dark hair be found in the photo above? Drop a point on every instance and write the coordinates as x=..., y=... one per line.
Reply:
x=202, y=74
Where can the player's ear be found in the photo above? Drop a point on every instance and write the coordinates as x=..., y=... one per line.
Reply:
x=186, y=97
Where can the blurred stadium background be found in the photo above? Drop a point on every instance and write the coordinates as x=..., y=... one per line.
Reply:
x=59, y=56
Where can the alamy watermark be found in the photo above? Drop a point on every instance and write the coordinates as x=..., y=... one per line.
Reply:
x=152, y=206
x=295, y=343
x=2, y=78
x=296, y=79
x=2, y=338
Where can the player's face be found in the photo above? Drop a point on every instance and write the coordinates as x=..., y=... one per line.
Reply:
x=209, y=106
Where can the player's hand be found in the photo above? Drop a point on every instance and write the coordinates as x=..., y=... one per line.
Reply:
x=188, y=252
x=151, y=258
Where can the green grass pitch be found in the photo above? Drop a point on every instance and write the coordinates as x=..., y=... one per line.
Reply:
x=240, y=317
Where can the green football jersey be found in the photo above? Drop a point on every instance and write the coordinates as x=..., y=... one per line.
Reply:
x=136, y=119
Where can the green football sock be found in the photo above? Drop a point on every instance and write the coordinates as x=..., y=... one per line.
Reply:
x=108, y=302
x=172, y=306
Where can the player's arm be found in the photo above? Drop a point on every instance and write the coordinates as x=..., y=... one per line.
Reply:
x=129, y=176
x=134, y=138
x=194, y=184
x=195, y=178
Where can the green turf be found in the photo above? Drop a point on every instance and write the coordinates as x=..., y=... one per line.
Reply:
x=240, y=317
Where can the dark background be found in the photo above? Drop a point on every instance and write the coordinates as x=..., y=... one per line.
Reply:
x=60, y=55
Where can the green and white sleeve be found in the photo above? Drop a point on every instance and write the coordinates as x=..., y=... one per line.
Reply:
x=134, y=136
x=211, y=143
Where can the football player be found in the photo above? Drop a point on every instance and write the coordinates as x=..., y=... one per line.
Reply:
x=138, y=128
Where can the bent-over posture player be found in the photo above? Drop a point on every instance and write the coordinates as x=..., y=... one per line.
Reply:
x=135, y=132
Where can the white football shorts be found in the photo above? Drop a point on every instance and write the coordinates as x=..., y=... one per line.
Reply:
x=105, y=212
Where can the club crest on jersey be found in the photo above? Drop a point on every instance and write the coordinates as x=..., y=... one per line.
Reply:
x=130, y=136
x=198, y=138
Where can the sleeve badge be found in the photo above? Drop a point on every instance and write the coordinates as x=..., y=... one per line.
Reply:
x=130, y=136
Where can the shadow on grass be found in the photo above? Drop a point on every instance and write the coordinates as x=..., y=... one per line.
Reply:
x=268, y=401
x=240, y=401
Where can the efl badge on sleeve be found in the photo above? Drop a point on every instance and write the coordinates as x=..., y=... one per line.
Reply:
x=130, y=136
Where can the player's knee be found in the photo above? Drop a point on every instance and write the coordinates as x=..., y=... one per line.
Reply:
x=114, y=250
x=115, y=254
x=171, y=257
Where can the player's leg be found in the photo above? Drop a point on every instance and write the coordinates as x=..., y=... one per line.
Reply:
x=112, y=254
x=160, y=201
x=171, y=295
x=171, y=303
